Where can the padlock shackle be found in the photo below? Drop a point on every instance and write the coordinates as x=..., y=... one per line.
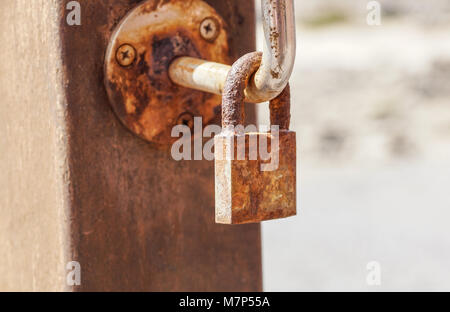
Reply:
x=233, y=90
x=280, y=109
x=233, y=95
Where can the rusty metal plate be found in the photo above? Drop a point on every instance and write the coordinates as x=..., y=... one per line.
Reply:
x=140, y=51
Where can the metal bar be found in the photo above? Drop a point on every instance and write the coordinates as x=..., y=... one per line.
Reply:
x=279, y=51
x=274, y=72
x=199, y=74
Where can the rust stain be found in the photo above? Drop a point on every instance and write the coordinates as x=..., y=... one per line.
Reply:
x=275, y=74
x=153, y=209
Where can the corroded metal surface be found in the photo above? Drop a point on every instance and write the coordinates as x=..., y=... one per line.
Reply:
x=244, y=192
x=233, y=91
x=140, y=91
x=280, y=109
x=141, y=221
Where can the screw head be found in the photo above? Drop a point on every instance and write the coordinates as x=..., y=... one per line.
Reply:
x=209, y=28
x=125, y=55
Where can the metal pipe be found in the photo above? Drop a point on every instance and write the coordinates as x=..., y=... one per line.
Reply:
x=274, y=72
x=199, y=74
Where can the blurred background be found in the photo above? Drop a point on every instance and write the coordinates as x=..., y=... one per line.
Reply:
x=371, y=108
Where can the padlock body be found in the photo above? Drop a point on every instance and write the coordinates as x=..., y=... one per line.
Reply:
x=253, y=190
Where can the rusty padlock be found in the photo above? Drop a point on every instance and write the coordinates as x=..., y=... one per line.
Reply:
x=250, y=187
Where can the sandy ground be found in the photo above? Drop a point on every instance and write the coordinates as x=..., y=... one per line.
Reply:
x=371, y=107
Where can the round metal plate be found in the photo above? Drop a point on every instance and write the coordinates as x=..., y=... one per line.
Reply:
x=137, y=61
